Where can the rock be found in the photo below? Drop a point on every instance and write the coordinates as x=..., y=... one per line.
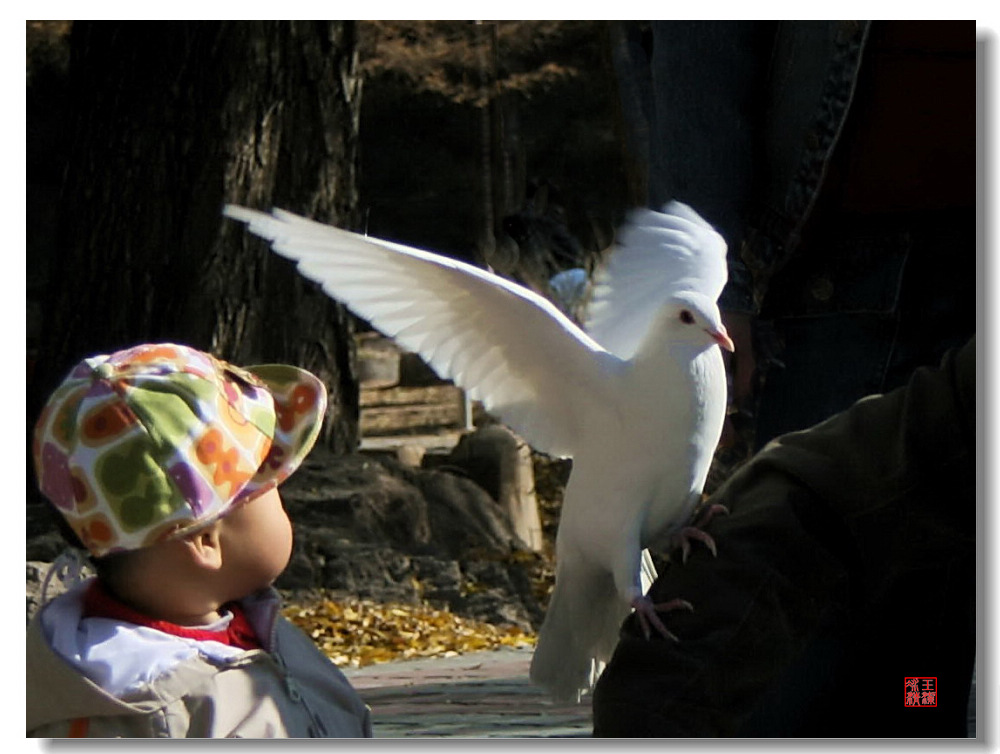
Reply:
x=428, y=511
x=464, y=517
x=414, y=371
x=45, y=547
x=378, y=361
x=299, y=574
x=440, y=581
x=495, y=607
x=35, y=575
x=355, y=499
x=411, y=454
x=370, y=573
x=35, y=580
x=500, y=462
x=489, y=574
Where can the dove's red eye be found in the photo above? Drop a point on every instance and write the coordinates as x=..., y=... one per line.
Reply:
x=687, y=317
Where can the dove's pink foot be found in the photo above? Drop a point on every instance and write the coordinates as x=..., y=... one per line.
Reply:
x=709, y=513
x=646, y=612
x=695, y=531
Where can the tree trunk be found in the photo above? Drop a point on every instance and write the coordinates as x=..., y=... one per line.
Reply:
x=169, y=121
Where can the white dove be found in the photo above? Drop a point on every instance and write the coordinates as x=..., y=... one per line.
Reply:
x=637, y=401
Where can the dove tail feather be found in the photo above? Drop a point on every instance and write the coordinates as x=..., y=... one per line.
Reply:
x=579, y=634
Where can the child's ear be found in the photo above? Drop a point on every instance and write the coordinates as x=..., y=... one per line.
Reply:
x=204, y=548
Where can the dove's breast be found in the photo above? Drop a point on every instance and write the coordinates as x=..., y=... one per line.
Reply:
x=680, y=427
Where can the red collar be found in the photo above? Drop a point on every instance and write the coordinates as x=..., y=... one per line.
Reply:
x=98, y=602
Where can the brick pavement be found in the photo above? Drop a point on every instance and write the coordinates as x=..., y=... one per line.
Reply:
x=475, y=695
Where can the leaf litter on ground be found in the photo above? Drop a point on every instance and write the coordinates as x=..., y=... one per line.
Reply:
x=357, y=633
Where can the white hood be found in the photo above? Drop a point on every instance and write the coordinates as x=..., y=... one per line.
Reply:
x=118, y=656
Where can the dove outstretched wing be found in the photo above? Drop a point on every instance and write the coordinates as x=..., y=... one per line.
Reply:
x=508, y=347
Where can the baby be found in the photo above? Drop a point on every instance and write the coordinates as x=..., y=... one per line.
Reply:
x=164, y=464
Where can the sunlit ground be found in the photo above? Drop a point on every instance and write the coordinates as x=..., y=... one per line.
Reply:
x=357, y=633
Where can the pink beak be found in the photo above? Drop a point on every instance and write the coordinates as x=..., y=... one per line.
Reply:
x=721, y=336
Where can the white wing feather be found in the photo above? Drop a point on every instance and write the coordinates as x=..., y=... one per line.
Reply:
x=656, y=256
x=507, y=346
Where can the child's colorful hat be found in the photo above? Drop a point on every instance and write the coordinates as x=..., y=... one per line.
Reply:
x=156, y=440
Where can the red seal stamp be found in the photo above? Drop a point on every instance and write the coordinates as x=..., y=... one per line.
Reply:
x=920, y=691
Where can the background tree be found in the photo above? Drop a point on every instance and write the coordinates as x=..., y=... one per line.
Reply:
x=497, y=142
x=142, y=135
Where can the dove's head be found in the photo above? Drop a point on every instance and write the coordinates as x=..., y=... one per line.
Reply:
x=696, y=320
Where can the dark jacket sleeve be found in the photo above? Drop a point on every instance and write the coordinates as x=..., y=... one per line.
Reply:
x=847, y=562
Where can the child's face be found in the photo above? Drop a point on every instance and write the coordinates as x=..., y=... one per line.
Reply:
x=256, y=543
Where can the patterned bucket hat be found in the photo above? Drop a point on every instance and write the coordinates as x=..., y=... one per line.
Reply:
x=160, y=439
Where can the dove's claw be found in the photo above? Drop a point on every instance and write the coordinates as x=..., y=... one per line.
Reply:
x=709, y=513
x=693, y=532
x=646, y=612
x=696, y=531
x=675, y=604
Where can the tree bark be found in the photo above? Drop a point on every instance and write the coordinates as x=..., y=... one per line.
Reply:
x=169, y=121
